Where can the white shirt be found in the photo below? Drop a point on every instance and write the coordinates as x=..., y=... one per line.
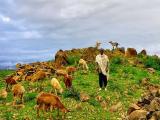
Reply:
x=102, y=61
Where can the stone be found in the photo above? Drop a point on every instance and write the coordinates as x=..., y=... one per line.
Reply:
x=137, y=115
x=131, y=52
x=84, y=97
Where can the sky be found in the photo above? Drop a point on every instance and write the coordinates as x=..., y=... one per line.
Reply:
x=33, y=30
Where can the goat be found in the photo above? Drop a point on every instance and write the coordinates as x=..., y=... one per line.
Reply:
x=114, y=44
x=83, y=64
x=68, y=81
x=9, y=81
x=56, y=85
x=70, y=69
x=49, y=101
x=18, y=92
x=61, y=72
x=98, y=44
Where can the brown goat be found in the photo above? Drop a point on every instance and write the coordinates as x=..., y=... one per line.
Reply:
x=48, y=101
x=18, y=92
x=61, y=72
x=71, y=69
x=68, y=80
x=10, y=81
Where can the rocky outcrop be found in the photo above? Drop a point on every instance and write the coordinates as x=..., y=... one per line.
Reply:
x=131, y=52
x=148, y=107
x=143, y=52
x=60, y=59
x=89, y=54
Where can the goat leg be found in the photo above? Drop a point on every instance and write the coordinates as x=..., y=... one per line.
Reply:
x=55, y=91
x=57, y=112
x=22, y=99
x=14, y=101
x=7, y=87
x=38, y=111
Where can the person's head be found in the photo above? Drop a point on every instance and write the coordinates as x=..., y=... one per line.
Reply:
x=101, y=51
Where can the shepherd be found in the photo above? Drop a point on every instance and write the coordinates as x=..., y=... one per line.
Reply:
x=102, y=62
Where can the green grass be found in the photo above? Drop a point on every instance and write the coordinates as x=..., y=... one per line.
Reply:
x=123, y=86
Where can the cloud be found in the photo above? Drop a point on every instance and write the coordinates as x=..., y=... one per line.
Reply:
x=53, y=24
x=5, y=19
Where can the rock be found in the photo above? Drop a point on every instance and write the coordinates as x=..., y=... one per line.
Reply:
x=137, y=115
x=99, y=98
x=104, y=105
x=114, y=108
x=145, y=81
x=89, y=54
x=132, y=108
x=143, y=52
x=153, y=118
x=154, y=90
x=78, y=106
x=157, y=115
x=84, y=97
x=3, y=94
x=121, y=50
x=38, y=76
x=131, y=52
x=61, y=59
x=155, y=104
x=151, y=70
x=8, y=104
x=108, y=98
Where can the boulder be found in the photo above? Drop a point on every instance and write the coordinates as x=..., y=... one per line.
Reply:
x=115, y=107
x=61, y=58
x=151, y=70
x=132, y=108
x=155, y=104
x=137, y=115
x=78, y=106
x=143, y=52
x=131, y=52
x=89, y=54
x=84, y=97
x=104, y=104
x=145, y=81
x=121, y=50
x=38, y=76
x=99, y=98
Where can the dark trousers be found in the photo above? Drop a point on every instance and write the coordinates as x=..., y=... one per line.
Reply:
x=102, y=80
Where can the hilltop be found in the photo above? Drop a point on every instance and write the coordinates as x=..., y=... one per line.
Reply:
x=125, y=86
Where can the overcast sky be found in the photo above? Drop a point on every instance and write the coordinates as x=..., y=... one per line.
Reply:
x=32, y=30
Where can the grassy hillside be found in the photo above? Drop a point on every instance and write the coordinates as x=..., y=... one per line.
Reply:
x=123, y=86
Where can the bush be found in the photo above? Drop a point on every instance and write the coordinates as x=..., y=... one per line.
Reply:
x=72, y=60
x=73, y=93
x=116, y=60
x=93, y=102
x=30, y=96
x=152, y=61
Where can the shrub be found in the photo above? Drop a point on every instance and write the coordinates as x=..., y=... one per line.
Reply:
x=73, y=93
x=116, y=60
x=152, y=61
x=93, y=102
x=30, y=96
x=72, y=60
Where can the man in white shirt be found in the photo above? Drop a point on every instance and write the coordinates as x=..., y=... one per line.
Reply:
x=102, y=68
